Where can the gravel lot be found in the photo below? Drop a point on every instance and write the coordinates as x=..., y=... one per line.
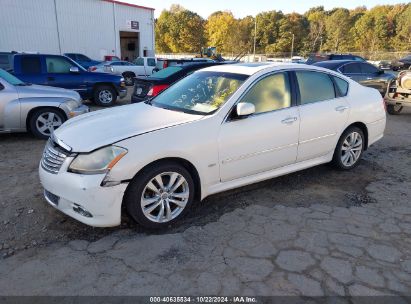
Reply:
x=314, y=232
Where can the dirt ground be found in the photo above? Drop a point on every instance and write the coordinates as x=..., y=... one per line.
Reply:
x=26, y=220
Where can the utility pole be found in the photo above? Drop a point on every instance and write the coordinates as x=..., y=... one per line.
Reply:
x=292, y=46
x=255, y=37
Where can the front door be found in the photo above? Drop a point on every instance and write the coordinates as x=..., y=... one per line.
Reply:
x=265, y=140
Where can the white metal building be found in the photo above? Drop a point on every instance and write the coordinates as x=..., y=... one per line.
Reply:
x=92, y=27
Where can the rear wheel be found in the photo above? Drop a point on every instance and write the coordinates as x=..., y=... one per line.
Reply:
x=160, y=195
x=349, y=149
x=105, y=96
x=44, y=121
x=394, y=109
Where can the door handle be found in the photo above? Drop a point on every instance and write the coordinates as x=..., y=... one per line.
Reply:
x=341, y=108
x=289, y=120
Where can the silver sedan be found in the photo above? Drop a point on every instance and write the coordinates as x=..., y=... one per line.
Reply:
x=38, y=109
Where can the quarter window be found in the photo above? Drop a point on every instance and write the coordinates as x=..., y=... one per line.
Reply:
x=269, y=94
x=58, y=65
x=30, y=65
x=342, y=85
x=314, y=86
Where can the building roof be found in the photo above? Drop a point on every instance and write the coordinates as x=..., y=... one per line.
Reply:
x=129, y=4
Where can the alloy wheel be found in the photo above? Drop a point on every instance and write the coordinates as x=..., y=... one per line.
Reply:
x=164, y=197
x=351, y=149
x=47, y=122
x=105, y=96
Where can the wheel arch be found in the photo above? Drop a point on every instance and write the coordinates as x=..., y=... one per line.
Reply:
x=31, y=112
x=184, y=163
x=363, y=128
x=129, y=73
x=98, y=84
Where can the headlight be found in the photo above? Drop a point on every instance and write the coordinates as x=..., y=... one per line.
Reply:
x=99, y=161
x=72, y=104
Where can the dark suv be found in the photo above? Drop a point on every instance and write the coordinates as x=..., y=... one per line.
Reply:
x=323, y=57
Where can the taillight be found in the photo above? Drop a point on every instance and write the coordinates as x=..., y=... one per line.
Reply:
x=92, y=69
x=156, y=89
x=165, y=64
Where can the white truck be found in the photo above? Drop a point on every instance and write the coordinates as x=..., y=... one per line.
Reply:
x=142, y=66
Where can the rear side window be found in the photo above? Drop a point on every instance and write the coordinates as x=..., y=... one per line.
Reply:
x=314, y=86
x=30, y=65
x=139, y=61
x=342, y=85
x=352, y=68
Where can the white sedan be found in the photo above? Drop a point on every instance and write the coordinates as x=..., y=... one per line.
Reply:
x=220, y=128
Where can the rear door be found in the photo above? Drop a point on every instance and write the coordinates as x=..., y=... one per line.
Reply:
x=59, y=75
x=373, y=78
x=31, y=69
x=323, y=113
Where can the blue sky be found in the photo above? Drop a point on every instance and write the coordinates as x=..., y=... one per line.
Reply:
x=241, y=8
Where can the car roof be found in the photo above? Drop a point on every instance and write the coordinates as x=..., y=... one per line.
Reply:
x=333, y=64
x=250, y=68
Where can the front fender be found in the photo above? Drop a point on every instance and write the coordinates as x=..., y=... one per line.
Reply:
x=29, y=104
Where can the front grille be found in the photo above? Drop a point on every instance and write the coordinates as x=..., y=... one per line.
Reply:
x=141, y=88
x=53, y=157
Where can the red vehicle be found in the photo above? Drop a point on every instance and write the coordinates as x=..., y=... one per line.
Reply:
x=111, y=58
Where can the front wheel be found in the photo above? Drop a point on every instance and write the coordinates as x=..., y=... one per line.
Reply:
x=105, y=96
x=129, y=79
x=349, y=149
x=394, y=109
x=44, y=121
x=160, y=195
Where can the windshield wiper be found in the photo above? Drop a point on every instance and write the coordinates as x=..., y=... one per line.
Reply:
x=149, y=101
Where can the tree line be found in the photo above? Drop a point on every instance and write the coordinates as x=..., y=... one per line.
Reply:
x=381, y=28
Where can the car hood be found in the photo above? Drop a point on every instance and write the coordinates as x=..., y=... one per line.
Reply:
x=30, y=91
x=90, y=131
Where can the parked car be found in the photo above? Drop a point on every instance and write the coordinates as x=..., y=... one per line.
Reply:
x=61, y=71
x=148, y=87
x=404, y=63
x=399, y=93
x=219, y=128
x=385, y=65
x=5, y=60
x=82, y=60
x=148, y=63
x=362, y=72
x=163, y=63
x=38, y=109
x=325, y=57
x=123, y=68
x=111, y=58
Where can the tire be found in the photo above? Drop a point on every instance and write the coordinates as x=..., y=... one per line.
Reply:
x=129, y=78
x=352, y=143
x=394, y=109
x=145, y=182
x=105, y=96
x=44, y=121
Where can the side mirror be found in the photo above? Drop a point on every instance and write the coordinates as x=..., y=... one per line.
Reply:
x=74, y=70
x=244, y=109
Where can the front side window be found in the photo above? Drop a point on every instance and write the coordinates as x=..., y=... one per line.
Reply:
x=368, y=69
x=269, y=94
x=200, y=93
x=314, y=86
x=30, y=65
x=151, y=62
x=58, y=65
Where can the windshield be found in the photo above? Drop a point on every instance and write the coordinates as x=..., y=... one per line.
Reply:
x=201, y=93
x=164, y=73
x=10, y=78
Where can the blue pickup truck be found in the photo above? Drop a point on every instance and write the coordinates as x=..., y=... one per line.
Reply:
x=61, y=71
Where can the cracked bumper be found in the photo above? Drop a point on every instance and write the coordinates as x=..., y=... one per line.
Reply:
x=67, y=191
